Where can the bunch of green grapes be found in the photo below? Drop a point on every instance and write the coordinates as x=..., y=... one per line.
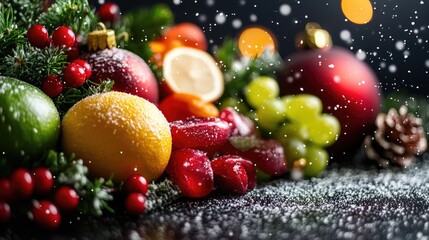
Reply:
x=297, y=121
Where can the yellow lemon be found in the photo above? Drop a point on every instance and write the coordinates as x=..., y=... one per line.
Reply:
x=117, y=134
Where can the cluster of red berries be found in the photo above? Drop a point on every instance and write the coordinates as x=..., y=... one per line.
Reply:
x=37, y=184
x=232, y=169
x=49, y=200
x=75, y=73
x=136, y=188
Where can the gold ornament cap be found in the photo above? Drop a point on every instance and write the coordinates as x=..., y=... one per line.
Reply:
x=101, y=38
x=314, y=37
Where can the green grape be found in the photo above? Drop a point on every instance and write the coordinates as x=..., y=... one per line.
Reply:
x=265, y=122
x=324, y=130
x=303, y=107
x=294, y=149
x=317, y=160
x=272, y=109
x=261, y=89
x=235, y=103
x=295, y=130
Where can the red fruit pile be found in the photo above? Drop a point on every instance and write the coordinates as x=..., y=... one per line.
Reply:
x=233, y=138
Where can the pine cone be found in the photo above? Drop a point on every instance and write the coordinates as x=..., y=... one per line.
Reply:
x=397, y=139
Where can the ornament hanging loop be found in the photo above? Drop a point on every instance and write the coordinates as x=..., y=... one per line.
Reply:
x=314, y=37
x=101, y=38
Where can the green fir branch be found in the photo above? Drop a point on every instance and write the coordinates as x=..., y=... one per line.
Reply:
x=72, y=95
x=76, y=14
x=145, y=25
x=25, y=11
x=32, y=65
x=95, y=194
x=239, y=71
x=161, y=194
x=10, y=34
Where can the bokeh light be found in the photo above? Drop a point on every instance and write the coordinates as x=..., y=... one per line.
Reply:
x=357, y=11
x=254, y=41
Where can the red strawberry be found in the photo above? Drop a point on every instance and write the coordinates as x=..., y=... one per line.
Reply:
x=234, y=174
x=205, y=134
x=190, y=170
x=267, y=155
x=240, y=124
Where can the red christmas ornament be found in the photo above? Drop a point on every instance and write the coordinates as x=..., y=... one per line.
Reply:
x=347, y=86
x=130, y=73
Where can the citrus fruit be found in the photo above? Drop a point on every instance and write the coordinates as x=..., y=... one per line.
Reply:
x=189, y=70
x=180, y=106
x=189, y=34
x=29, y=121
x=118, y=134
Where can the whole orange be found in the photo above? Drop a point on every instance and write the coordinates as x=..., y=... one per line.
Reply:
x=117, y=134
x=189, y=34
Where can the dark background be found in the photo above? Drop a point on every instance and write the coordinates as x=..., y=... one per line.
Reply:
x=395, y=43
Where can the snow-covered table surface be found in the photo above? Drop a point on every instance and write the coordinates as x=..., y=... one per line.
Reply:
x=344, y=204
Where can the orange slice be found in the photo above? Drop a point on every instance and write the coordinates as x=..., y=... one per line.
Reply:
x=193, y=71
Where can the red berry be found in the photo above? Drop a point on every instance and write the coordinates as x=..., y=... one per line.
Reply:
x=234, y=174
x=267, y=155
x=6, y=191
x=22, y=183
x=85, y=65
x=190, y=170
x=66, y=198
x=52, y=86
x=135, y=203
x=206, y=134
x=5, y=212
x=109, y=12
x=136, y=183
x=74, y=75
x=73, y=53
x=38, y=36
x=240, y=124
x=46, y=215
x=43, y=180
x=63, y=37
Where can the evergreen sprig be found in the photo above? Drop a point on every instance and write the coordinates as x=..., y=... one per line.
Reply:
x=239, y=71
x=72, y=95
x=32, y=65
x=11, y=34
x=145, y=25
x=25, y=11
x=161, y=194
x=95, y=193
x=76, y=14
